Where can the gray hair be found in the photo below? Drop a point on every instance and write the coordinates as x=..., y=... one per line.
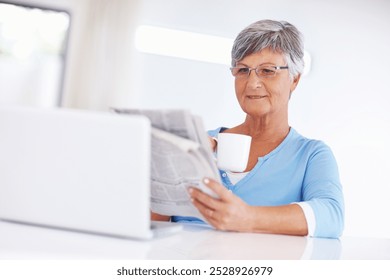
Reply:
x=279, y=36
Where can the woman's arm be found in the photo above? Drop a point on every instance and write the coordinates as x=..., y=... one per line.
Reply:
x=229, y=212
x=158, y=217
x=322, y=191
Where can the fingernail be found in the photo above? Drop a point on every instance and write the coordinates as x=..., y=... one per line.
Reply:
x=206, y=180
x=190, y=190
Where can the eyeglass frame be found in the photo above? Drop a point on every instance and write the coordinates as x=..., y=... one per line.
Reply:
x=255, y=69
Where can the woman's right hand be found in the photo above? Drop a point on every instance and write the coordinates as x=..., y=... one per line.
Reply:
x=213, y=143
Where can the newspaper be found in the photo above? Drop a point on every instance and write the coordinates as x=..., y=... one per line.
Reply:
x=181, y=158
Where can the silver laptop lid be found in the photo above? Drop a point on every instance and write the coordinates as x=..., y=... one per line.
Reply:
x=75, y=169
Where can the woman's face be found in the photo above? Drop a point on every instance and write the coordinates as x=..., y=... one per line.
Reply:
x=264, y=96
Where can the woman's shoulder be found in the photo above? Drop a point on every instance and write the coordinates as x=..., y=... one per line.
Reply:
x=311, y=144
x=214, y=132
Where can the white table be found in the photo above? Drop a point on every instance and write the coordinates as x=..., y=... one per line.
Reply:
x=18, y=242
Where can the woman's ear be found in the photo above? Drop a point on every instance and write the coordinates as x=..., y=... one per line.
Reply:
x=294, y=83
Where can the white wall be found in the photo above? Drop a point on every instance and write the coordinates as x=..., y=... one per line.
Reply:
x=344, y=100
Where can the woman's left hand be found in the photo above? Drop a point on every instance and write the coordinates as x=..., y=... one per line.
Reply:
x=228, y=212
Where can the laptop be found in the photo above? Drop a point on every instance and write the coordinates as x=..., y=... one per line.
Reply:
x=77, y=170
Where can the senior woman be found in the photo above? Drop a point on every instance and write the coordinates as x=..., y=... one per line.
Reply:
x=291, y=184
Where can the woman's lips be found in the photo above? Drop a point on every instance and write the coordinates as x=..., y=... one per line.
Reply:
x=255, y=96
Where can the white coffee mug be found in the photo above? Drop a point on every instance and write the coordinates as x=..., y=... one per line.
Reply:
x=233, y=151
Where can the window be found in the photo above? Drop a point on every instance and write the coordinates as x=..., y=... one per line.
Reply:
x=33, y=45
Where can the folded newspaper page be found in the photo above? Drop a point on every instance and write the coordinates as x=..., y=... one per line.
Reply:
x=181, y=158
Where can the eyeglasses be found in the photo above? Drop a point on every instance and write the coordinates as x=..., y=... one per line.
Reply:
x=261, y=71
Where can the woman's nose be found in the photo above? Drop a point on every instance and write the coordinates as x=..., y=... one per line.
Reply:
x=254, y=81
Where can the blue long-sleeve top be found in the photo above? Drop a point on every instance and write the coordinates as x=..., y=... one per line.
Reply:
x=298, y=170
